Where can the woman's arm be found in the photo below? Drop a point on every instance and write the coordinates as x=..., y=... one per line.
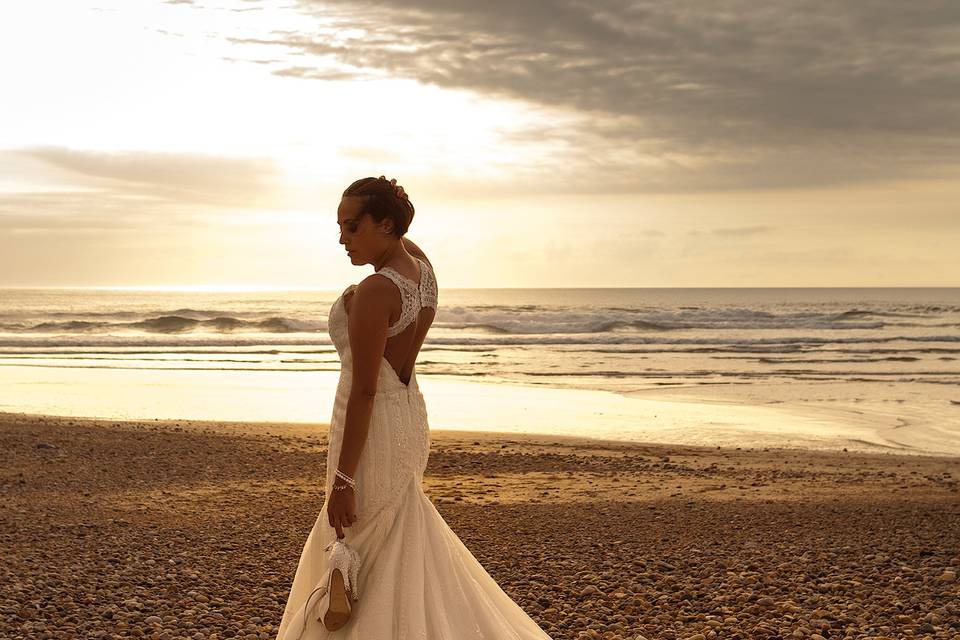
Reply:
x=368, y=319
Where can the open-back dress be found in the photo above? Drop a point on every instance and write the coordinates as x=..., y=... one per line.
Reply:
x=417, y=580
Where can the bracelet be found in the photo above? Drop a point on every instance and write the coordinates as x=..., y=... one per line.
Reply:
x=350, y=482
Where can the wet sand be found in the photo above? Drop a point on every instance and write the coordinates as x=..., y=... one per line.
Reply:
x=174, y=529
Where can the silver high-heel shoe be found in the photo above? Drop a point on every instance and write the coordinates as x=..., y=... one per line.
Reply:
x=340, y=587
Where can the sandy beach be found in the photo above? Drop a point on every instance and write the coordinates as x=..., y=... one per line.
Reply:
x=174, y=529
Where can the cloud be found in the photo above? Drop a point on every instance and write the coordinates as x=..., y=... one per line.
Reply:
x=188, y=179
x=308, y=73
x=61, y=191
x=742, y=231
x=733, y=232
x=86, y=211
x=95, y=213
x=680, y=95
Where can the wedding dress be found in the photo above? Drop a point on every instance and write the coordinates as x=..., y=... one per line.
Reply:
x=417, y=580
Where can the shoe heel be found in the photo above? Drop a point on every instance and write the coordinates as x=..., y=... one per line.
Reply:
x=335, y=606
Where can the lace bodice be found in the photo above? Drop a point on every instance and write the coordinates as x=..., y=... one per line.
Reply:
x=413, y=296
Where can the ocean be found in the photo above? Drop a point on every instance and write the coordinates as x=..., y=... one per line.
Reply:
x=880, y=363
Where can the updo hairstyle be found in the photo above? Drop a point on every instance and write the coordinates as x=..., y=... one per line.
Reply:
x=380, y=200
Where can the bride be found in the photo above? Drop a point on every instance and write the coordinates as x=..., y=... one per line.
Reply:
x=380, y=562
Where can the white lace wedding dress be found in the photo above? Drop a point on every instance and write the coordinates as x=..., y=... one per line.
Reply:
x=417, y=580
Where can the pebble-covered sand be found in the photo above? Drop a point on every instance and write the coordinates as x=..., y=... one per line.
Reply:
x=166, y=529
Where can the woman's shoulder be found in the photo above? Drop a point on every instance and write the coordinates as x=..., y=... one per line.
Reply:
x=373, y=293
x=374, y=283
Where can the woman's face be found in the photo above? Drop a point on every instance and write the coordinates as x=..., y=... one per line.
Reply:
x=362, y=238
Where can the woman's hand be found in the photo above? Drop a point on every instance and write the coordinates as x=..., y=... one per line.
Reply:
x=341, y=509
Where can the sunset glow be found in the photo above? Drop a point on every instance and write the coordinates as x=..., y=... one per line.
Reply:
x=206, y=144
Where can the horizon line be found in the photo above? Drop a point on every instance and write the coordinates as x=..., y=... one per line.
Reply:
x=255, y=288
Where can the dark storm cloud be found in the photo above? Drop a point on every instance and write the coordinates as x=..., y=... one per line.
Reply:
x=684, y=95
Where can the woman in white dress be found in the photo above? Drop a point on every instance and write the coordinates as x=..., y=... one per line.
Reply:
x=411, y=576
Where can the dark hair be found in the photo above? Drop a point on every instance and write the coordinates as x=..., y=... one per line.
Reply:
x=381, y=201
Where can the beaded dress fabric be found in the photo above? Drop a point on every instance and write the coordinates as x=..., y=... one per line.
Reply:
x=417, y=580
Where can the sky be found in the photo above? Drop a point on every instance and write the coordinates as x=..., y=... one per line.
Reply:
x=565, y=143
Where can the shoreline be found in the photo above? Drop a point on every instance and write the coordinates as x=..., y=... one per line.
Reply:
x=255, y=428
x=194, y=529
